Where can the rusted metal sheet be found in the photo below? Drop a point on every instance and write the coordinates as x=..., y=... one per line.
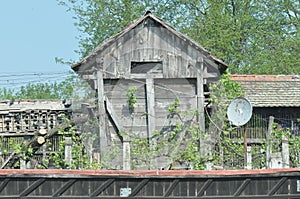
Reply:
x=275, y=183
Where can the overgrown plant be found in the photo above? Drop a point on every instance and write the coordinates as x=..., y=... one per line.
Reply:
x=132, y=99
x=177, y=145
x=82, y=156
x=228, y=149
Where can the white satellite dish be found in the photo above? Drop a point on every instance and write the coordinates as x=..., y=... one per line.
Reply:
x=239, y=111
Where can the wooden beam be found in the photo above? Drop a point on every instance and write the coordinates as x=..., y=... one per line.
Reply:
x=151, y=112
x=102, y=112
x=285, y=152
x=200, y=94
x=68, y=151
x=143, y=76
x=150, y=106
x=113, y=114
x=200, y=103
x=268, y=142
x=126, y=155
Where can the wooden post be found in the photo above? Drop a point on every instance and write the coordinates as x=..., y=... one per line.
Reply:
x=44, y=149
x=126, y=154
x=23, y=164
x=245, y=147
x=200, y=104
x=285, y=152
x=150, y=112
x=101, y=108
x=249, y=158
x=68, y=151
x=268, y=144
x=150, y=106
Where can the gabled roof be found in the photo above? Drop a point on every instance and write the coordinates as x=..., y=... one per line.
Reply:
x=271, y=90
x=136, y=23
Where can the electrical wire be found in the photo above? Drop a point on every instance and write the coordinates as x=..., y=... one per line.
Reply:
x=32, y=74
x=14, y=81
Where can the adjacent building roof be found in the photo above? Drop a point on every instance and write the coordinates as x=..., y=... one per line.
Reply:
x=271, y=90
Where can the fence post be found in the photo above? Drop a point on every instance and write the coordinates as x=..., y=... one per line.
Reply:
x=285, y=152
x=268, y=144
x=126, y=155
x=68, y=151
x=249, y=158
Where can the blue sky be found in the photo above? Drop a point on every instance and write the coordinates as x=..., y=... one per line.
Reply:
x=33, y=33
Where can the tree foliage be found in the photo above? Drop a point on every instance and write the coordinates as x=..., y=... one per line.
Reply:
x=259, y=37
x=252, y=36
x=56, y=90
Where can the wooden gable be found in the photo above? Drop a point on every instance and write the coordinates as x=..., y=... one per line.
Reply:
x=150, y=46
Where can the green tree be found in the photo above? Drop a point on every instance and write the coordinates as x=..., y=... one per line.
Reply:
x=251, y=36
x=54, y=90
x=6, y=93
x=98, y=20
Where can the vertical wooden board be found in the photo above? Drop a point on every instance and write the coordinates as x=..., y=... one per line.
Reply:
x=135, y=43
x=173, y=67
x=126, y=155
x=152, y=39
x=124, y=48
x=110, y=62
x=180, y=70
x=101, y=108
x=200, y=94
x=161, y=39
x=150, y=93
x=125, y=64
x=142, y=43
x=136, y=55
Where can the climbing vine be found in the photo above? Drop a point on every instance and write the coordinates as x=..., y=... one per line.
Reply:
x=132, y=99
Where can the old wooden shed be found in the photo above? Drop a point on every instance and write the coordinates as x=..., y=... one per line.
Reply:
x=140, y=72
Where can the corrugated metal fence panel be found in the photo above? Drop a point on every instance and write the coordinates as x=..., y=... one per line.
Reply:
x=276, y=183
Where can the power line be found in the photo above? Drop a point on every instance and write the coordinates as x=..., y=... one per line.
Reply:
x=32, y=74
x=14, y=81
x=32, y=78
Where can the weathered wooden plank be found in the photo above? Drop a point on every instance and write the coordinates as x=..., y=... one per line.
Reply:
x=200, y=104
x=126, y=155
x=141, y=76
x=101, y=108
x=113, y=114
x=150, y=106
x=153, y=43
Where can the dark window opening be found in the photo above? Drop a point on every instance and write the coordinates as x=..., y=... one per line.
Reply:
x=146, y=67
